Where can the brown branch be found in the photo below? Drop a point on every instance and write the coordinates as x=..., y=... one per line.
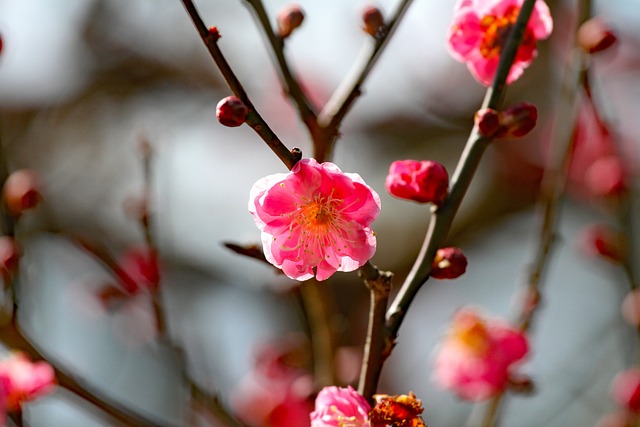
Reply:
x=254, y=120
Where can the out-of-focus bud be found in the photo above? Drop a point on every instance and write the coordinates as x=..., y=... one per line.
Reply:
x=21, y=191
x=605, y=176
x=1, y=43
x=631, y=308
x=617, y=419
x=449, y=263
x=595, y=35
x=518, y=120
x=231, y=111
x=289, y=18
x=488, y=121
x=625, y=389
x=9, y=256
x=139, y=269
x=603, y=240
x=372, y=20
x=423, y=181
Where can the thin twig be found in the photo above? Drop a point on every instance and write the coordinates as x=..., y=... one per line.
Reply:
x=290, y=83
x=379, y=284
x=257, y=123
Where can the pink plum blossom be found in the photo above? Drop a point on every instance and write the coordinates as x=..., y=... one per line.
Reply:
x=340, y=407
x=25, y=380
x=480, y=29
x=475, y=359
x=315, y=219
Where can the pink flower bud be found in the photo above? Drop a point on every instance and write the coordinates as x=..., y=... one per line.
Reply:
x=605, y=176
x=488, y=121
x=9, y=255
x=518, y=120
x=626, y=389
x=631, y=308
x=139, y=269
x=289, y=18
x=21, y=191
x=423, y=181
x=372, y=20
x=449, y=263
x=231, y=111
x=25, y=380
x=595, y=35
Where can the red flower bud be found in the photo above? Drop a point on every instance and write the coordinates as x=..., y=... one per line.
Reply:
x=421, y=181
x=518, y=120
x=372, y=20
x=9, y=256
x=626, y=389
x=449, y=263
x=488, y=121
x=214, y=33
x=139, y=269
x=595, y=35
x=289, y=18
x=231, y=111
x=1, y=44
x=21, y=191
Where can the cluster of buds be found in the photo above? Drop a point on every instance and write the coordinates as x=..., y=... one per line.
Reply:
x=514, y=122
x=423, y=181
x=289, y=18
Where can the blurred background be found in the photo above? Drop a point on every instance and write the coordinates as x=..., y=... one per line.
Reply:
x=82, y=84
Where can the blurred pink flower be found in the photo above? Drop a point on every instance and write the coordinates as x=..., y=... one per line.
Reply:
x=626, y=389
x=475, y=358
x=340, y=407
x=480, y=29
x=138, y=269
x=315, y=217
x=25, y=380
x=423, y=181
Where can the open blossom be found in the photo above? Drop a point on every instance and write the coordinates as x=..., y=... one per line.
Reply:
x=24, y=380
x=315, y=219
x=480, y=30
x=475, y=359
x=340, y=407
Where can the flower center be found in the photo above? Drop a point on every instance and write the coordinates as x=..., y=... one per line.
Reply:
x=318, y=215
x=473, y=336
x=496, y=31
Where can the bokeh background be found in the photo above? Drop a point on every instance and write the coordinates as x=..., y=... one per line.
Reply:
x=82, y=83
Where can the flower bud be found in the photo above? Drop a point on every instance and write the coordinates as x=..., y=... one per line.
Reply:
x=289, y=18
x=214, y=33
x=449, y=263
x=605, y=176
x=21, y=191
x=626, y=389
x=372, y=20
x=231, y=111
x=488, y=121
x=595, y=35
x=9, y=256
x=1, y=43
x=423, y=181
x=631, y=308
x=518, y=120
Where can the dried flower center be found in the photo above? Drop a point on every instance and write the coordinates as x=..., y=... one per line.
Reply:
x=496, y=31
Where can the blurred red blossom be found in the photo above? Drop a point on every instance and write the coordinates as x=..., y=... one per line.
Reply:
x=480, y=30
x=625, y=389
x=24, y=380
x=476, y=357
